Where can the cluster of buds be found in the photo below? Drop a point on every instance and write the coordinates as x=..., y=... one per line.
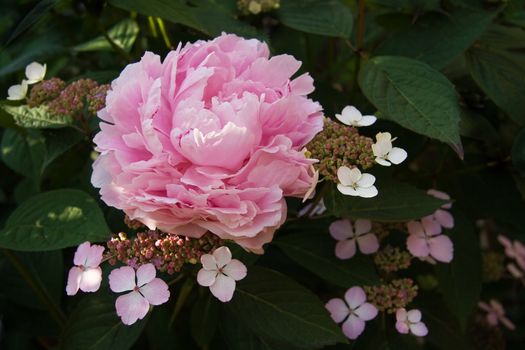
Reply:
x=392, y=296
x=167, y=252
x=96, y=98
x=255, y=7
x=493, y=266
x=392, y=259
x=45, y=91
x=340, y=145
x=71, y=99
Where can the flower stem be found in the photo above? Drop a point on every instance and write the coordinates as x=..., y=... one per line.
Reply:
x=40, y=292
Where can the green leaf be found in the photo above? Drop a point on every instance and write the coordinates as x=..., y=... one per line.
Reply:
x=29, y=152
x=396, y=202
x=502, y=79
x=276, y=307
x=94, y=325
x=204, y=320
x=45, y=268
x=315, y=252
x=122, y=34
x=206, y=16
x=54, y=220
x=37, y=117
x=323, y=17
x=424, y=39
x=518, y=152
x=414, y=95
x=460, y=280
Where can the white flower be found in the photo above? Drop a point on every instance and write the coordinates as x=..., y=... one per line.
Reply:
x=353, y=183
x=351, y=116
x=35, y=72
x=384, y=152
x=219, y=272
x=17, y=92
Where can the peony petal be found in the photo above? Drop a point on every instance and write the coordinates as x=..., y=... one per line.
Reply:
x=441, y=248
x=346, y=190
x=208, y=262
x=368, y=243
x=235, y=269
x=206, y=278
x=345, y=249
x=90, y=279
x=73, y=280
x=156, y=292
x=366, y=180
x=341, y=229
x=414, y=316
x=367, y=192
x=338, y=309
x=122, y=279
x=362, y=226
x=131, y=307
x=145, y=274
x=353, y=327
x=367, y=120
x=222, y=256
x=417, y=246
x=223, y=288
x=419, y=329
x=355, y=297
x=366, y=311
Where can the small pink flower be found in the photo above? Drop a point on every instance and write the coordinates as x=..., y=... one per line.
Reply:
x=344, y=233
x=86, y=275
x=410, y=321
x=145, y=290
x=219, y=272
x=443, y=217
x=425, y=239
x=496, y=314
x=514, y=250
x=354, y=311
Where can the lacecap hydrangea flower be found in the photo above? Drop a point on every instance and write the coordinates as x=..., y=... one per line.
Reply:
x=210, y=138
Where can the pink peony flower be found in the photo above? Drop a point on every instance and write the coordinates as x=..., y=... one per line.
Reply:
x=425, y=239
x=219, y=272
x=410, y=322
x=442, y=216
x=208, y=139
x=86, y=275
x=354, y=311
x=145, y=290
x=347, y=237
x=496, y=314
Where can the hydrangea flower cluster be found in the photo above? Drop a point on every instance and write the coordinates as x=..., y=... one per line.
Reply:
x=167, y=252
x=392, y=296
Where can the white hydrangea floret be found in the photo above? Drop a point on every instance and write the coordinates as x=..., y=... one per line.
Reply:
x=385, y=154
x=353, y=183
x=35, y=72
x=351, y=116
x=17, y=92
